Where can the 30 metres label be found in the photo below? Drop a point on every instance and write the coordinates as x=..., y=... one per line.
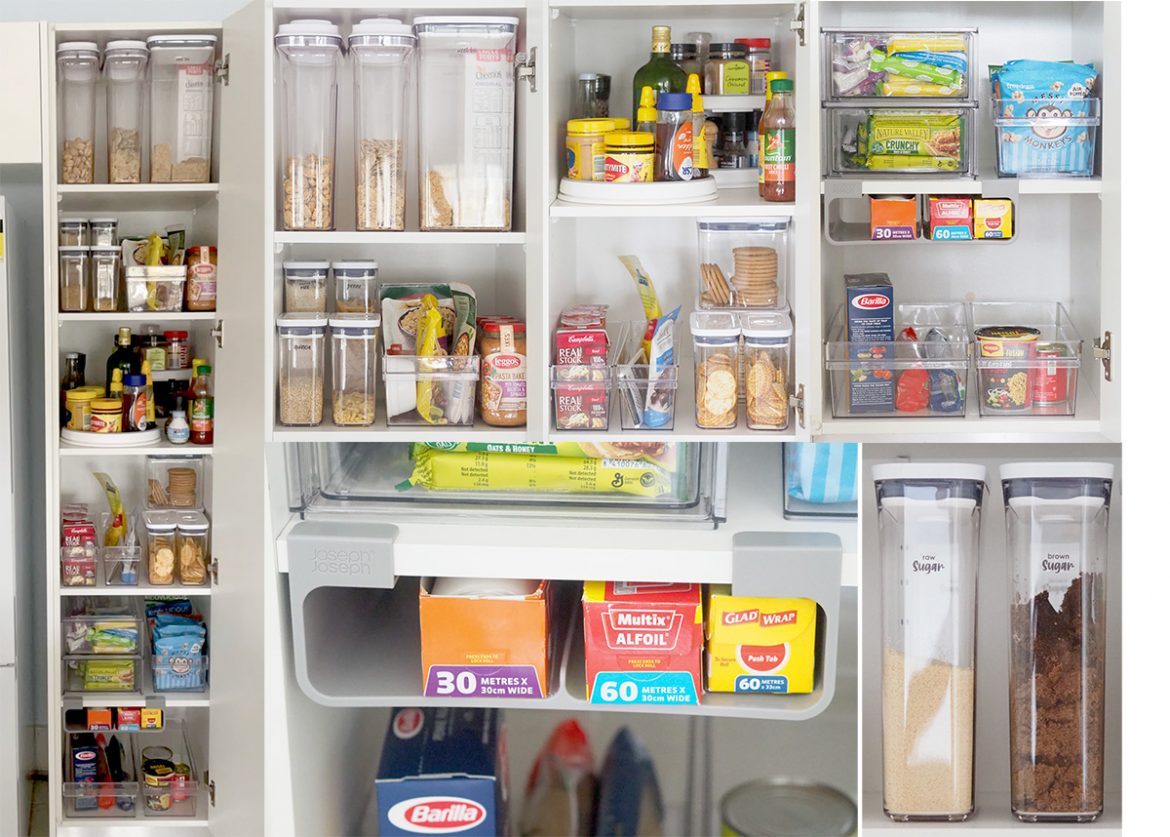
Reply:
x=625, y=688
x=776, y=684
x=483, y=681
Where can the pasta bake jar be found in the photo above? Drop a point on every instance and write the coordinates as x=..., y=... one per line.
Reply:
x=503, y=388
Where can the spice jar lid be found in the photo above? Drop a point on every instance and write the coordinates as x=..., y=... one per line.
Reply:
x=78, y=47
x=355, y=320
x=674, y=101
x=308, y=32
x=714, y=324
x=301, y=319
x=363, y=266
x=629, y=138
x=305, y=269
x=1056, y=470
x=193, y=521
x=929, y=471
x=771, y=325
x=735, y=50
x=159, y=520
x=755, y=43
x=590, y=126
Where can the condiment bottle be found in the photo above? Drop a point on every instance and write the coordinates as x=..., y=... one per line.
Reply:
x=178, y=431
x=134, y=403
x=769, y=77
x=123, y=357
x=674, y=139
x=150, y=413
x=659, y=73
x=202, y=408
x=647, y=114
x=702, y=155
x=778, y=128
x=74, y=378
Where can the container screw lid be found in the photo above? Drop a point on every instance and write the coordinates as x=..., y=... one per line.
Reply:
x=590, y=126
x=781, y=85
x=629, y=138
x=308, y=32
x=929, y=471
x=135, y=381
x=755, y=43
x=674, y=101
x=1056, y=470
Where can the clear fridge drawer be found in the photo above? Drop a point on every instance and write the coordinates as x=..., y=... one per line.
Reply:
x=888, y=141
x=899, y=64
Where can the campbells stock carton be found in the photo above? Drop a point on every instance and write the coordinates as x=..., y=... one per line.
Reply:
x=869, y=315
x=760, y=644
x=443, y=771
x=643, y=642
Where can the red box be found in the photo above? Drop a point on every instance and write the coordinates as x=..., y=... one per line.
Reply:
x=74, y=533
x=951, y=219
x=581, y=346
x=129, y=718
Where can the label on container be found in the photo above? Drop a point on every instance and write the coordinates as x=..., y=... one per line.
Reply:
x=777, y=685
x=483, y=681
x=1054, y=568
x=780, y=156
x=662, y=688
x=193, y=127
x=682, y=149
x=735, y=78
x=930, y=593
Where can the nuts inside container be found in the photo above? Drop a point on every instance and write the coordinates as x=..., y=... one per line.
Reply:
x=77, y=161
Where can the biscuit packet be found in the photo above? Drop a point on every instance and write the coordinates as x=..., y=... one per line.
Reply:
x=665, y=455
x=465, y=316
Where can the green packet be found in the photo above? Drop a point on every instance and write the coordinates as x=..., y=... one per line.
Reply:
x=880, y=62
x=904, y=162
x=912, y=135
x=663, y=454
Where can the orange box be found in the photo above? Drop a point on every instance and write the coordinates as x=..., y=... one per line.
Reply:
x=484, y=637
x=99, y=719
x=893, y=218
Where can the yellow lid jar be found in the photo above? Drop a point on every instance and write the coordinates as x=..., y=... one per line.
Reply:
x=77, y=407
x=629, y=157
x=105, y=415
x=585, y=148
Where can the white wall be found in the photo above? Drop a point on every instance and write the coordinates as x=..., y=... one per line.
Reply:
x=87, y=11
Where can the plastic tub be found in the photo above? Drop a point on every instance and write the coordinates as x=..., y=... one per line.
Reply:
x=304, y=287
x=73, y=277
x=466, y=94
x=194, y=551
x=888, y=141
x=436, y=391
x=716, y=338
x=743, y=263
x=884, y=63
x=182, y=92
x=1051, y=138
x=179, y=795
x=90, y=798
x=175, y=673
x=105, y=277
x=157, y=288
x=107, y=674
x=120, y=565
x=354, y=340
x=125, y=76
x=77, y=77
x=766, y=361
x=301, y=382
x=355, y=289
x=928, y=532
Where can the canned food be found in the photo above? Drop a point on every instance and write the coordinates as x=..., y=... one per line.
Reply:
x=1007, y=389
x=1051, y=383
x=780, y=807
x=157, y=775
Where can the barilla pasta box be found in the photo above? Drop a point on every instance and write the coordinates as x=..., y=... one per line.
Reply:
x=760, y=644
x=950, y=219
x=443, y=771
x=643, y=642
x=993, y=218
x=869, y=316
x=483, y=637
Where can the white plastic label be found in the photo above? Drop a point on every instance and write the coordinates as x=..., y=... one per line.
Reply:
x=1054, y=568
x=194, y=128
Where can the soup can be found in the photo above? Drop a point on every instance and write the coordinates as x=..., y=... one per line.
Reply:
x=1006, y=389
x=782, y=807
x=158, y=774
x=1051, y=384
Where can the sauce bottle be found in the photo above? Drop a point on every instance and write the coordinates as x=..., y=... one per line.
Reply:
x=124, y=357
x=202, y=408
x=647, y=115
x=674, y=138
x=769, y=77
x=778, y=135
x=702, y=155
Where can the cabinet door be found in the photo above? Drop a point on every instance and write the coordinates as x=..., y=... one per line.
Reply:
x=1110, y=222
x=20, y=58
x=807, y=224
x=238, y=539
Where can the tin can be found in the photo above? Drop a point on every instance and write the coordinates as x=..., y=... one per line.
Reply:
x=1051, y=383
x=1006, y=389
x=158, y=775
x=779, y=807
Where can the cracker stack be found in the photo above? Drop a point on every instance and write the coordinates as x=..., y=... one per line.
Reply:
x=181, y=487
x=756, y=269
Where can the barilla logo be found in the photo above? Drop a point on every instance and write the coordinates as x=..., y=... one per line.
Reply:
x=870, y=302
x=506, y=361
x=630, y=629
x=755, y=616
x=85, y=755
x=437, y=815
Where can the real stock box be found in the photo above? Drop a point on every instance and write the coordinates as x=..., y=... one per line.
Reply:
x=869, y=313
x=443, y=771
x=760, y=644
x=643, y=642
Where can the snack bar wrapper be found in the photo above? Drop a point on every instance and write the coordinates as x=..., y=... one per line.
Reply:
x=665, y=455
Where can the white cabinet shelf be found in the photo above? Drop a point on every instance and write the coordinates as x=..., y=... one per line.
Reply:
x=992, y=818
x=730, y=202
x=117, y=318
x=134, y=197
x=435, y=238
x=160, y=449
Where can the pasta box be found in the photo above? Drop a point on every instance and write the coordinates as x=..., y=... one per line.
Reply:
x=443, y=771
x=869, y=315
x=643, y=642
x=759, y=644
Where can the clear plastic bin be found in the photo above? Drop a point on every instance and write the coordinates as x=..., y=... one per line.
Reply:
x=301, y=383
x=925, y=377
x=743, y=263
x=355, y=353
x=382, y=51
x=161, y=548
x=309, y=53
x=174, y=482
x=194, y=549
x=766, y=362
x=125, y=75
x=883, y=63
x=304, y=287
x=442, y=388
x=648, y=399
x=101, y=630
x=1050, y=138
x=103, y=232
x=79, y=566
x=888, y=141
x=73, y=277
x=120, y=565
x=102, y=799
x=105, y=277
x=467, y=98
x=355, y=289
x=716, y=338
x=820, y=479
x=928, y=532
x=182, y=93
x=73, y=232
x=179, y=794
x=1058, y=544
x=177, y=673
x=155, y=288
x=1032, y=371
x=77, y=77
x=107, y=674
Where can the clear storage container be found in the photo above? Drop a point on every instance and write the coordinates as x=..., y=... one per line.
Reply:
x=1058, y=544
x=743, y=263
x=921, y=373
x=647, y=395
x=101, y=627
x=766, y=340
x=355, y=352
x=355, y=289
x=161, y=547
x=310, y=53
x=466, y=94
x=716, y=337
x=304, y=287
x=900, y=64
x=125, y=75
x=82, y=797
x=107, y=674
x=193, y=528
x=182, y=91
x=77, y=77
x=72, y=232
x=928, y=533
x=103, y=232
x=178, y=794
x=178, y=673
x=79, y=565
x=301, y=384
x=174, y=482
x=1047, y=137
x=382, y=52
x=881, y=141
x=73, y=277
x=430, y=390
x=155, y=287
x=105, y=277
x=120, y=565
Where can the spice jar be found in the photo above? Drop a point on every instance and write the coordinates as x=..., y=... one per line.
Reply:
x=73, y=277
x=585, y=148
x=182, y=80
x=629, y=157
x=759, y=58
x=202, y=277
x=125, y=76
x=192, y=541
x=105, y=415
x=766, y=339
x=503, y=388
x=591, y=96
x=1058, y=543
x=716, y=348
x=178, y=350
x=354, y=287
x=77, y=76
x=105, y=275
x=928, y=532
x=72, y=232
x=310, y=53
x=302, y=368
x=674, y=140
x=687, y=57
x=381, y=51
x=161, y=529
x=355, y=349
x=103, y=232
x=727, y=72
x=304, y=286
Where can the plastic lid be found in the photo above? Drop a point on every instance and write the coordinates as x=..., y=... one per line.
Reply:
x=203, y=369
x=494, y=325
x=77, y=46
x=194, y=520
x=466, y=20
x=80, y=394
x=381, y=26
x=73, y=248
x=302, y=319
x=685, y=49
x=104, y=221
x=781, y=85
x=313, y=267
x=1056, y=470
x=929, y=471
x=365, y=265
x=620, y=123
x=755, y=43
x=135, y=380
x=743, y=224
x=181, y=40
x=132, y=45
x=735, y=49
x=308, y=28
x=674, y=101
x=105, y=248
x=107, y=404
x=70, y=222
x=714, y=324
x=159, y=519
x=629, y=138
x=175, y=335
x=774, y=324
x=354, y=320
x=590, y=126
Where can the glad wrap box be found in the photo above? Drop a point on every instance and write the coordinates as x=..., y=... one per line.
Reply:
x=443, y=771
x=484, y=637
x=643, y=642
x=760, y=644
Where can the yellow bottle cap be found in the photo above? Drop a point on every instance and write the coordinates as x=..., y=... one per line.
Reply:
x=696, y=91
x=590, y=126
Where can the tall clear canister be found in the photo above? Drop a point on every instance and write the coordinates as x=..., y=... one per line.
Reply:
x=77, y=76
x=125, y=74
x=182, y=98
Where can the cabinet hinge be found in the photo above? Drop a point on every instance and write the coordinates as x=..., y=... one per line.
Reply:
x=223, y=69
x=210, y=786
x=213, y=570
x=526, y=68
x=217, y=333
x=799, y=401
x=797, y=23
x=1103, y=351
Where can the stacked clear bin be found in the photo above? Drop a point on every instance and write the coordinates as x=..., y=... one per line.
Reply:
x=900, y=101
x=86, y=797
x=182, y=93
x=885, y=379
x=581, y=391
x=743, y=263
x=77, y=77
x=102, y=645
x=355, y=353
x=741, y=357
x=301, y=378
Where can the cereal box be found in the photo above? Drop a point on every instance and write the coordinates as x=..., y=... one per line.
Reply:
x=643, y=642
x=893, y=217
x=760, y=644
x=869, y=313
x=950, y=219
x=993, y=218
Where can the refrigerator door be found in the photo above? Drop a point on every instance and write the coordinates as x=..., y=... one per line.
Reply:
x=7, y=545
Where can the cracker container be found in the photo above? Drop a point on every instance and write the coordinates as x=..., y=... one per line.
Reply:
x=766, y=339
x=161, y=549
x=309, y=54
x=716, y=343
x=193, y=547
x=301, y=384
x=355, y=349
x=743, y=263
x=182, y=96
x=77, y=76
x=466, y=103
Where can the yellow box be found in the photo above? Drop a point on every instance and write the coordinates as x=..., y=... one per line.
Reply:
x=760, y=644
x=151, y=718
x=993, y=218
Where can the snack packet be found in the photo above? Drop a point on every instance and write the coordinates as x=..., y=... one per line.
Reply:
x=645, y=286
x=116, y=531
x=665, y=455
x=558, y=801
x=660, y=399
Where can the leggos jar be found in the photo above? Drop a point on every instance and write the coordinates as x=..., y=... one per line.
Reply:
x=629, y=157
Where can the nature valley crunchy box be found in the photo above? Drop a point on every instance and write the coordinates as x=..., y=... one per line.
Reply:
x=643, y=642
x=760, y=644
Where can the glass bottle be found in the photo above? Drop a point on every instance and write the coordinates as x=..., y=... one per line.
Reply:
x=660, y=74
x=778, y=134
x=150, y=407
x=202, y=408
x=123, y=358
x=733, y=154
x=74, y=378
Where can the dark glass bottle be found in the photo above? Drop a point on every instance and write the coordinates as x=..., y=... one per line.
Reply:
x=74, y=378
x=123, y=357
x=660, y=74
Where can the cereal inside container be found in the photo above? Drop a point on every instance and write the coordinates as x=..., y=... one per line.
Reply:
x=125, y=76
x=304, y=287
x=77, y=77
x=182, y=93
x=716, y=337
x=301, y=384
x=743, y=263
x=766, y=339
x=355, y=289
x=310, y=54
x=382, y=51
x=193, y=527
x=355, y=352
x=161, y=530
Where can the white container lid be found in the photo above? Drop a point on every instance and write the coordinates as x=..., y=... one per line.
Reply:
x=96, y=221
x=385, y=31
x=464, y=20
x=159, y=520
x=771, y=325
x=714, y=324
x=105, y=249
x=1056, y=470
x=181, y=40
x=113, y=46
x=363, y=266
x=73, y=249
x=929, y=471
x=309, y=32
x=302, y=319
x=764, y=225
x=355, y=320
x=193, y=521
x=306, y=267
x=68, y=222
x=78, y=46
